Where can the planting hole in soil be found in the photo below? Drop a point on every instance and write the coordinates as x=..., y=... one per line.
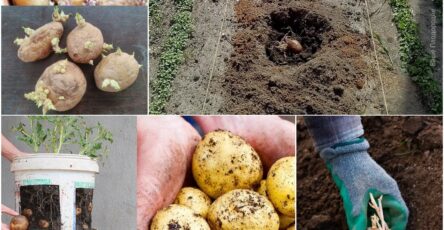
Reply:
x=84, y=198
x=41, y=204
x=296, y=35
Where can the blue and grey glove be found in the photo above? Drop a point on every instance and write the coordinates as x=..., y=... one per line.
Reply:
x=357, y=175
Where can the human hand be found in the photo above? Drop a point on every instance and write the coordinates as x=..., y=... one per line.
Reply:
x=166, y=144
x=357, y=175
x=10, y=212
x=9, y=151
x=164, y=149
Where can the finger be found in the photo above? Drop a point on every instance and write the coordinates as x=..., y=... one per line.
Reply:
x=5, y=227
x=395, y=212
x=271, y=136
x=9, y=150
x=164, y=149
x=8, y=211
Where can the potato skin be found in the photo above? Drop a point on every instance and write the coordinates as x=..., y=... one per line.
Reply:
x=293, y=227
x=223, y=162
x=195, y=199
x=262, y=188
x=242, y=209
x=71, y=85
x=281, y=185
x=118, y=66
x=38, y=45
x=77, y=39
x=178, y=217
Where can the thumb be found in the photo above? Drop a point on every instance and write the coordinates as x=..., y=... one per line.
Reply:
x=5, y=226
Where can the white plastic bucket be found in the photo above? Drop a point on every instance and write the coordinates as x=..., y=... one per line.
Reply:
x=68, y=171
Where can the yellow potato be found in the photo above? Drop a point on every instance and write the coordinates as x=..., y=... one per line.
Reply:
x=242, y=209
x=178, y=217
x=195, y=199
x=223, y=162
x=285, y=221
x=262, y=188
x=281, y=185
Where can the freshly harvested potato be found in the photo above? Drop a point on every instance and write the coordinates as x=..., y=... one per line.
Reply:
x=18, y=223
x=31, y=2
x=285, y=221
x=40, y=43
x=223, y=162
x=242, y=209
x=85, y=42
x=116, y=72
x=293, y=227
x=60, y=87
x=195, y=199
x=262, y=188
x=178, y=217
x=281, y=185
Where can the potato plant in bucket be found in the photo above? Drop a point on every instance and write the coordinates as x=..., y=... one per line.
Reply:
x=54, y=190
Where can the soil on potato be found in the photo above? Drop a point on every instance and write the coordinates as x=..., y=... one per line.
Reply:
x=44, y=202
x=408, y=148
x=84, y=199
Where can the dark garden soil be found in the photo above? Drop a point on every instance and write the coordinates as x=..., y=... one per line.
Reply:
x=44, y=202
x=408, y=148
x=237, y=60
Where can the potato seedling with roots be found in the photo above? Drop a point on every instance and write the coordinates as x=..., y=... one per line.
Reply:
x=40, y=43
x=85, y=42
x=116, y=72
x=60, y=87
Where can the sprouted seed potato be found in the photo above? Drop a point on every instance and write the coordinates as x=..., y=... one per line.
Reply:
x=116, y=71
x=40, y=43
x=60, y=87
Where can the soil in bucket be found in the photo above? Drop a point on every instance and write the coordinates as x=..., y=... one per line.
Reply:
x=84, y=199
x=43, y=203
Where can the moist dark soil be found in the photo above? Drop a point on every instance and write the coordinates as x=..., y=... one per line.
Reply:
x=297, y=25
x=44, y=202
x=84, y=199
x=408, y=148
x=331, y=75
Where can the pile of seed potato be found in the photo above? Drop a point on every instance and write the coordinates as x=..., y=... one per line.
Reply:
x=63, y=84
x=232, y=193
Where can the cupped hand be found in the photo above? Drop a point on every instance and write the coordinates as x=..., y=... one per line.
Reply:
x=166, y=145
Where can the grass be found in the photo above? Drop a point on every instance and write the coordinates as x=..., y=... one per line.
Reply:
x=416, y=60
x=172, y=55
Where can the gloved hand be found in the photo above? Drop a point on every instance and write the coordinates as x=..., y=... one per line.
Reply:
x=357, y=175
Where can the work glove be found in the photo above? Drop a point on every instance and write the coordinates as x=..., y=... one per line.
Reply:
x=357, y=175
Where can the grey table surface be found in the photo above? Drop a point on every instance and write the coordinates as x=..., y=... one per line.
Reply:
x=125, y=27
